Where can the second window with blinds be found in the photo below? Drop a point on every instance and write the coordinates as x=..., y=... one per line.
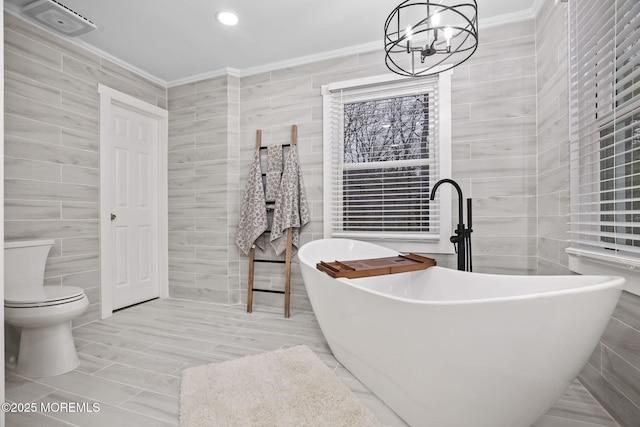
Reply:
x=386, y=142
x=605, y=138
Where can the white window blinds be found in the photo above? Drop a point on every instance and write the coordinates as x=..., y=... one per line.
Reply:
x=605, y=129
x=384, y=156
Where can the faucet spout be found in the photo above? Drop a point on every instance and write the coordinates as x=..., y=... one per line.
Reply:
x=457, y=187
x=462, y=239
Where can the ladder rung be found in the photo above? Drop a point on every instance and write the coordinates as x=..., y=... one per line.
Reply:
x=270, y=291
x=275, y=261
x=266, y=146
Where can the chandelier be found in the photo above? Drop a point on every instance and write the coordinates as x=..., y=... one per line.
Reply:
x=427, y=37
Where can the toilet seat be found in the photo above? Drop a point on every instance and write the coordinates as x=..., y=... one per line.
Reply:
x=44, y=297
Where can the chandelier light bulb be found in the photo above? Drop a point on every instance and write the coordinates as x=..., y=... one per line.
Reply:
x=448, y=33
x=435, y=19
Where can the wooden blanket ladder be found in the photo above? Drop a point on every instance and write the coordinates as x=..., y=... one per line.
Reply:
x=288, y=252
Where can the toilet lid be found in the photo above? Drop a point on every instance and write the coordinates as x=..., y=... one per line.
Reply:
x=45, y=296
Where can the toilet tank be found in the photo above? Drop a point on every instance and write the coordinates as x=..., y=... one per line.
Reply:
x=24, y=263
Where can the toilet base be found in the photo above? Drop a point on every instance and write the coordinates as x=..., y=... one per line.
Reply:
x=47, y=351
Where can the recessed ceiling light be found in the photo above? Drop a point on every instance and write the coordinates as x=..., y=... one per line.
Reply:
x=227, y=17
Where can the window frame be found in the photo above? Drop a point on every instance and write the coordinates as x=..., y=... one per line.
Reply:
x=395, y=86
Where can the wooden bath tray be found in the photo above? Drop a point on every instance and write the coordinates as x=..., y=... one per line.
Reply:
x=375, y=266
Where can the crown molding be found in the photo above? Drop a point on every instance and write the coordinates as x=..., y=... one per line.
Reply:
x=307, y=59
x=507, y=18
x=537, y=6
x=523, y=15
x=13, y=11
x=278, y=65
x=226, y=71
x=124, y=64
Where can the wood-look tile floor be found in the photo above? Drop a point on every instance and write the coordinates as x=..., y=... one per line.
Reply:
x=131, y=364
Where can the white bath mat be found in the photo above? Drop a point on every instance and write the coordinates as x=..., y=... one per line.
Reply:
x=287, y=387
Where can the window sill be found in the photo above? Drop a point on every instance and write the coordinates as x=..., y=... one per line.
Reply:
x=584, y=263
x=424, y=246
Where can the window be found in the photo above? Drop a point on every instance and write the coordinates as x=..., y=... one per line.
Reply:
x=605, y=131
x=386, y=144
x=620, y=186
x=385, y=170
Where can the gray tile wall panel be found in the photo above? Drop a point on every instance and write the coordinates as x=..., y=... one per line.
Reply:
x=553, y=135
x=202, y=139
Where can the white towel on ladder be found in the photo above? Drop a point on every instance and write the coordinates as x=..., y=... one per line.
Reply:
x=253, y=214
x=292, y=208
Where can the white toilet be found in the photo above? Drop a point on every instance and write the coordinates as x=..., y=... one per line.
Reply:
x=43, y=313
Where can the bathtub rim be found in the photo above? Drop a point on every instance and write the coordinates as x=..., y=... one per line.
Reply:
x=607, y=281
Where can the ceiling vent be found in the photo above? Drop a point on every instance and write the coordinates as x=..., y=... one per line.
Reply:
x=59, y=17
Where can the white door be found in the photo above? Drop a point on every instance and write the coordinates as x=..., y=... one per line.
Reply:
x=134, y=211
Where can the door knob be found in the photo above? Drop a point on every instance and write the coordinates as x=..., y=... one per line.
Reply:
x=113, y=216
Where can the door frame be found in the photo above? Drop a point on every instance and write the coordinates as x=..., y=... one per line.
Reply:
x=109, y=97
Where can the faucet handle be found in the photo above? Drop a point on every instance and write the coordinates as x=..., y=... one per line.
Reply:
x=455, y=240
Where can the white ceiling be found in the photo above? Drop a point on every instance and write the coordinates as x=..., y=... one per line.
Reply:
x=176, y=40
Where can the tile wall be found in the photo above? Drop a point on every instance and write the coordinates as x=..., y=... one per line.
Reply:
x=203, y=180
x=553, y=138
x=51, y=148
x=494, y=147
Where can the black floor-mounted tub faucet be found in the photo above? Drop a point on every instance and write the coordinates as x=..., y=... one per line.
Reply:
x=462, y=239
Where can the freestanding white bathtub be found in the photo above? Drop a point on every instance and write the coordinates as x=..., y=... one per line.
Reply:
x=445, y=348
